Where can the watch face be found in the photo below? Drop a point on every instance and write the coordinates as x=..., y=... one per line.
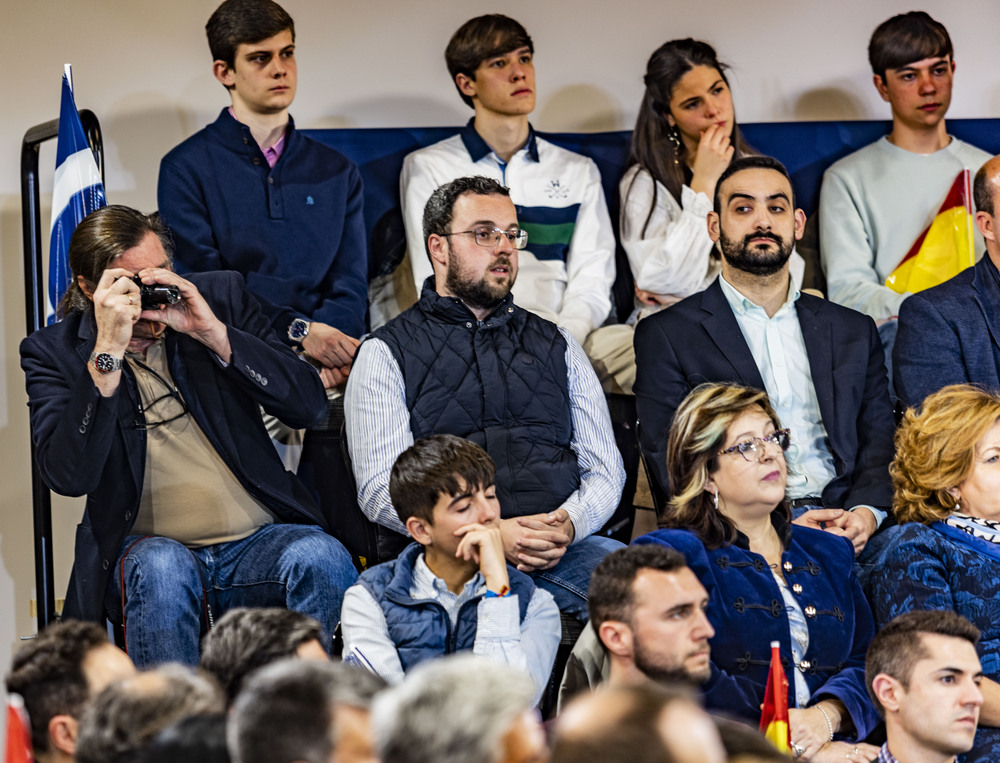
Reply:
x=106, y=363
x=298, y=330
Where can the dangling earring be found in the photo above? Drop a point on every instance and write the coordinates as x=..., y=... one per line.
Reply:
x=675, y=140
x=715, y=499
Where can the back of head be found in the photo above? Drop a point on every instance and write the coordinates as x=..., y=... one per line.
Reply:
x=433, y=466
x=440, y=207
x=452, y=710
x=47, y=673
x=479, y=39
x=753, y=162
x=610, y=596
x=238, y=22
x=286, y=710
x=196, y=739
x=124, y=718
x=246, y=639
x=985, y=186
x=899, y=645
x=100, y=238
x=651, y=147
x=905, y=39
x=616, y=725
x=935, y=449
x=697, y=433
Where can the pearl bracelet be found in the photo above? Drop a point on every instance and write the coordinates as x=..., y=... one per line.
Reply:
x=829, y=724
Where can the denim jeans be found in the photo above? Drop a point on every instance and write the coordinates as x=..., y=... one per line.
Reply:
x=173, y=593
x=568, y=581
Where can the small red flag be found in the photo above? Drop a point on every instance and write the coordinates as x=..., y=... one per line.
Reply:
x=774, y=712
x=18, y=732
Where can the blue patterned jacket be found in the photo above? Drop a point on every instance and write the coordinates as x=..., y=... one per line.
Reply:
x=746, y=609
x=940, y=567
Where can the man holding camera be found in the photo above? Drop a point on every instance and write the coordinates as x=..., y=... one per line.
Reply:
x=153, y=411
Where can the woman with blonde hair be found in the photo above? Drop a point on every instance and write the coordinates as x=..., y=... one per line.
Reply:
x=945, y=552
x=768, y=580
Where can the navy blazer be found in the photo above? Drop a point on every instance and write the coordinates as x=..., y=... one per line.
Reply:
x=950, y=334
x=90, y=445
x=747, y=611
x=698, y=340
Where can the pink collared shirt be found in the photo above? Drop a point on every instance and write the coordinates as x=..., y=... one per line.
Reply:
x=272, y=153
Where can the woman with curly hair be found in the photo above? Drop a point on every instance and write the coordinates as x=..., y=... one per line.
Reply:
x=945, y=553
x=767, y=579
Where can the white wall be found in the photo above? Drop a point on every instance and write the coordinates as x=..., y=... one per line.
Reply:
x=144, y=68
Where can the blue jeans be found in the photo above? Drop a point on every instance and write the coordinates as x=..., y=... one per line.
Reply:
x=173, y=593
x=568, y=581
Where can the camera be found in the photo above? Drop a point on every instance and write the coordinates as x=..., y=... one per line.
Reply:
x=154, y=295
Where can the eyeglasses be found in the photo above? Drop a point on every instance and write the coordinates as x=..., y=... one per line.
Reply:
x=163, y=402
x=490, y=237
x=753, y=449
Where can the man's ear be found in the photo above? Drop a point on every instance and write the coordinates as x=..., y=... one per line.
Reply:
x=437, y=246
x=85, y=288
x=881, y=87
x=889, y=692
x=713, y=226
x=800, y=224
x=616, y=637
x=466, y=85
x=984, y=222
x=62, y=733
x=419, y=530
x=224, y=74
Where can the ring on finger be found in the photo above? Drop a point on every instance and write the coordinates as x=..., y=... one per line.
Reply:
x=798, y=749
x=130, y=299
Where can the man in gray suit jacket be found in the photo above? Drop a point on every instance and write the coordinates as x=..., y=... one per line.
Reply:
x=822, y=365
x=950, y=334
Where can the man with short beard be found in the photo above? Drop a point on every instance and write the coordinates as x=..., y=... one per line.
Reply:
x=465, y=360
x=821, y=364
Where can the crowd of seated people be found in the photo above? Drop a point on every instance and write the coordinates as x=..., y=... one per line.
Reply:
x=795, y=511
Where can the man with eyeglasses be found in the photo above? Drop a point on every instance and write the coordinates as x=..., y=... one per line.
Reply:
x=465, y=360
x=821, y=364
x=153, y=412
x=569, y=266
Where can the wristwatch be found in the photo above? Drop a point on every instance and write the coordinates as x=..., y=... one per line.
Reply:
x=105, y=363
x=298, y=330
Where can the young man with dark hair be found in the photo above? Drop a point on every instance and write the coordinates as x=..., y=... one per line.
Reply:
x=924, y=676
x=245, y=639
x=875, y=202
x=466, y=360
x=292, y=712
x=647, y=621
x=57, y=674
x=452, y=589
x=569, y=264
x=822, y=365
x=250, y=193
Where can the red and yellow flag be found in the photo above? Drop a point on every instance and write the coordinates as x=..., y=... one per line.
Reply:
x=774, y=711
x=946, y=246
x=18, y=732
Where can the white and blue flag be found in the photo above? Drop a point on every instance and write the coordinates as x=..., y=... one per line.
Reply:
x=78, y=190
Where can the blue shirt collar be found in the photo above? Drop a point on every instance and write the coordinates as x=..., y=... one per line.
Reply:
x=478, y=148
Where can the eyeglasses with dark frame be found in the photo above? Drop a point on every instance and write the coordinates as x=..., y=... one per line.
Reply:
x=752, y=451
x=490, y=236
x=172, y=392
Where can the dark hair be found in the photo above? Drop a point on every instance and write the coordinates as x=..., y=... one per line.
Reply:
x=651, y=148
x=100, y=238
x=983, y=190
x=125, y=717
x=480, y=38
x=752, y=162
x=196, y=739
x=434, y=466
x=610, y=596
x=245, y=639
x=440, y=207
x=48, y=674
x=697, y=434
x=899, y=645
x=287, y=709
x=236, y=22
x=906, y=38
